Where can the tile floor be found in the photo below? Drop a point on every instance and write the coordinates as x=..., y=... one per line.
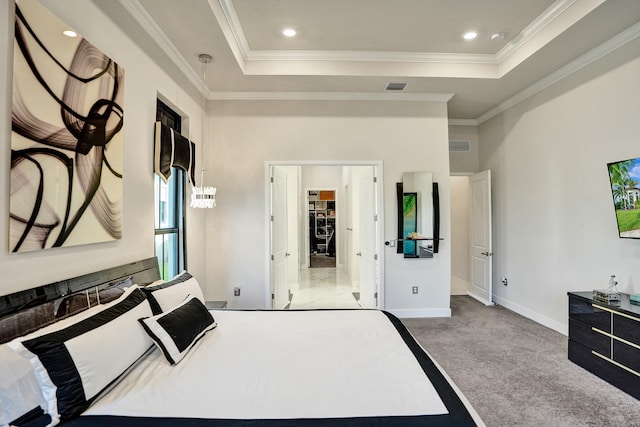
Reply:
x=323, y=288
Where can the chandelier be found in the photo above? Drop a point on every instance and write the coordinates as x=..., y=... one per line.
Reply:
x=203, y=196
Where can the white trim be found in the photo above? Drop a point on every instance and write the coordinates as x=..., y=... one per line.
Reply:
x=366, y=56
x=142, y=17
x=412, y=313
x=563, y=328
x=329, y=96
x=463, y=122
x=554, y=20
x=228, y=20
x=537, y=25
x=588, y=58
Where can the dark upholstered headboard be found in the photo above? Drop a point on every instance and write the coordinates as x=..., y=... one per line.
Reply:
x=46, y=298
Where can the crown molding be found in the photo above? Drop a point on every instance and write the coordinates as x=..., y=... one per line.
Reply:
x=329, y=96
x=142, y=17
x=555, y=19
x=463, y=122
x=579, y=63
x=535, y=27
x=350, y=55
x=230, y=25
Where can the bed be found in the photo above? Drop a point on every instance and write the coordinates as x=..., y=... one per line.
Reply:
x=153, y=355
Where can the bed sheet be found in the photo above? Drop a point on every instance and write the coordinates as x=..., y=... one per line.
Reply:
x=278, y=368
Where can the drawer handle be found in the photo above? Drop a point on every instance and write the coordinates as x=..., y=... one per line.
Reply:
x=619, y=365
x=615, y=312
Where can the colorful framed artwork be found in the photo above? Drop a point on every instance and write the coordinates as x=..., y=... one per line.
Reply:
x=410, y=223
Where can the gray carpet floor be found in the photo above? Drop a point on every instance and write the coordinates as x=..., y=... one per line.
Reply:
x=515, y=372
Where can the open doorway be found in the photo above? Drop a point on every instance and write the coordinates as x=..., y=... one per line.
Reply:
x=328, y=210
x=460, y=189
x=471, y=224
x=322, y=228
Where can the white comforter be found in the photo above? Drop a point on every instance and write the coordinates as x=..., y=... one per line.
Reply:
x=274, y=365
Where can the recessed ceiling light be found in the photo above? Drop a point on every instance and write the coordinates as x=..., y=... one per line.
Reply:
x=470, y=35
x=70, y=33
x=288, y=32
x=498, y=37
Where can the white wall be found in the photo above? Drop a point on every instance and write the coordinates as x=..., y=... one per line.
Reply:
x=465, y=162
x=143, y=81
x=554, y=224
x=406, y=136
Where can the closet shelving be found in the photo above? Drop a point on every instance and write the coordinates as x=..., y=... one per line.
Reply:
x=322, y=221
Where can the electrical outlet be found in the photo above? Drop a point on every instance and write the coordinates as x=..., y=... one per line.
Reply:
x=505, y=281
x=414, y=290
x=236, y=292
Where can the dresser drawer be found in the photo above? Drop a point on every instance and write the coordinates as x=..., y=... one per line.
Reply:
x=583, y=311
x=627, y=328
x=627, y=355
x=608, y=371
x=585, y=335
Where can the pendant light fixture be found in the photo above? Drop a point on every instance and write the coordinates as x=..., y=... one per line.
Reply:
x=201, y=196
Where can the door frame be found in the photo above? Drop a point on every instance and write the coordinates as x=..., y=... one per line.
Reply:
x=380, y=207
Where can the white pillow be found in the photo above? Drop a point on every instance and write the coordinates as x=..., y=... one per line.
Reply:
x=164, y=296
x=19, y=389
x=177, y=330
x=75, y=360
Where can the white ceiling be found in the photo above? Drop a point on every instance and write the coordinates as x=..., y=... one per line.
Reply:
x=350, y=49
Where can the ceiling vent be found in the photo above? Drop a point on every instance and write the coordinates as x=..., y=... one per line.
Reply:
x=459, y=146
x=396, y=86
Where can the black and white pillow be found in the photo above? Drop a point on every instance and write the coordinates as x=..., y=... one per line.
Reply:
x=164, y=296
x=177, y=330
x=76, y=359
x=19, y=389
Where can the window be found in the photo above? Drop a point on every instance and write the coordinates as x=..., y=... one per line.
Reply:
x=169, y=209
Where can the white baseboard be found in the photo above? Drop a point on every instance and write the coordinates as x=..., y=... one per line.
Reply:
x=536, y=317
x=408, y=313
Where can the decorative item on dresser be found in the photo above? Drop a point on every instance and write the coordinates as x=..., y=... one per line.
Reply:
x=605, y=339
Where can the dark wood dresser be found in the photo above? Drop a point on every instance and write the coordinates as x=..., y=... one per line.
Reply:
x=605, y=339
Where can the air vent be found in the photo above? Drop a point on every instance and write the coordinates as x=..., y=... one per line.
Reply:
x=396, y=86
x=459, y=146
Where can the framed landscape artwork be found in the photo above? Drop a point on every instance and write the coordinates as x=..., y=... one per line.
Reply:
x=410, y=222
x=66, y=137
x=624, y=177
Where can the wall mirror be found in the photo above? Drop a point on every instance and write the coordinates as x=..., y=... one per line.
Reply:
x=418, y=221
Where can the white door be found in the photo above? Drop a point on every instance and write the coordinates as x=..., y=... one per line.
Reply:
x=481, y=237
x=279, y=239
x=368, y=239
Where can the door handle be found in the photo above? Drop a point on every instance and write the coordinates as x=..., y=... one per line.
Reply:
x=486, y=253
x=287, y=254
x=359, y=254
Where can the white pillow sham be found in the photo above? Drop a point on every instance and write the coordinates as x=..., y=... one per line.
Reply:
x=75, y=360
x=19, y=388
x=164, y=296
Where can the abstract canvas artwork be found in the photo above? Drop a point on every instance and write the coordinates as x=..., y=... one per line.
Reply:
x=66, y=137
